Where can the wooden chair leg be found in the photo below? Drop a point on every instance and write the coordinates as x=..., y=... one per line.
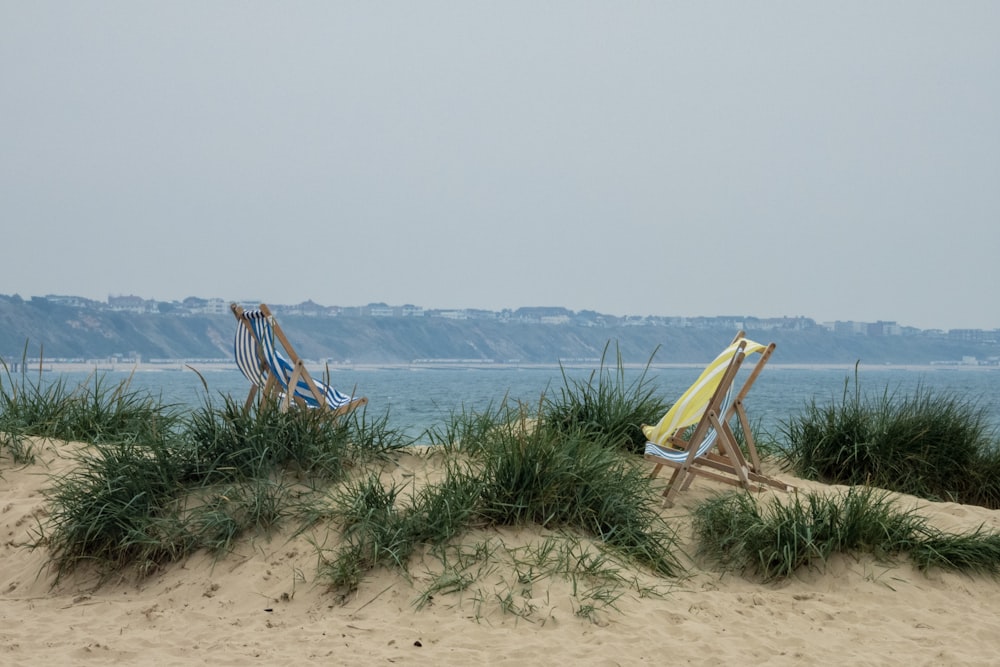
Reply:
x=250, y=397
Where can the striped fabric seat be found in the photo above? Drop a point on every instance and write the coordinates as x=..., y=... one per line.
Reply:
x=259, y=359
x=245, y=347
x=691, y=406
x=680, y=455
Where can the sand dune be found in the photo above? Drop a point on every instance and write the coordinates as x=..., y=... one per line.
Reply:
x=264, y=604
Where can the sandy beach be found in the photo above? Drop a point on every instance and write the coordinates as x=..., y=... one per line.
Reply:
x=265, y=604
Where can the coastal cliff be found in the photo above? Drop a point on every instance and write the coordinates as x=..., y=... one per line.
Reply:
x=37, y=328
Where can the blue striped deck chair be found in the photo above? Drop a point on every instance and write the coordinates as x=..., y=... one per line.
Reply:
x=696, y=436
x=285, y=378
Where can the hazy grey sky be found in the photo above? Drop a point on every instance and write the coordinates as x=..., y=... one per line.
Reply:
x=838, y=160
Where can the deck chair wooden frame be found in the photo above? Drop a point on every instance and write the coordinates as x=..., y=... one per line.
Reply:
x=266, y=380
x=724, y=460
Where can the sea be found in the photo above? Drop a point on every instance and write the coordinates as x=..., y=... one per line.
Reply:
x=414, y=398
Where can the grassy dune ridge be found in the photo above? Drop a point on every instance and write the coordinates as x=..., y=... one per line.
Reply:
x=153, y=485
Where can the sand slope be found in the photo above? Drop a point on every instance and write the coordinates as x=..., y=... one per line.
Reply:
x=264, y=605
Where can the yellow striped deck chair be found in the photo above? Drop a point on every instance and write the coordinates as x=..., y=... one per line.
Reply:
x=696, y=436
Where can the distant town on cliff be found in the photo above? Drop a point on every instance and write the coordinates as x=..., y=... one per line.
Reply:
x=553, y=315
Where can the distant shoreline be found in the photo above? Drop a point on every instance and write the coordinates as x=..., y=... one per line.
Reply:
x=215, y=366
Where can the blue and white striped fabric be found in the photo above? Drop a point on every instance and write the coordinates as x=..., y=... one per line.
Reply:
x=245, y=351
x=679, y=456
x=245, y=348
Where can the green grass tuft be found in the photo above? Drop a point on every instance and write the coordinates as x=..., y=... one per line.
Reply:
x=609, y=408
x=93, y=411
x=150, y=497
x=934, y=445
x=771, y=540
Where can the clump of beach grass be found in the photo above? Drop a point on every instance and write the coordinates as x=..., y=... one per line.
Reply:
x=608, y=406
x=117, y=508
x=560, y=478
x=370, y=436
x=153, y=497
x=771, y=539
x=515, y=472
x=468, y=431
x=975, y=551
x=231, y=442
x=935, y=445
x=379, y=529
x=96, y=410
x=234, y=440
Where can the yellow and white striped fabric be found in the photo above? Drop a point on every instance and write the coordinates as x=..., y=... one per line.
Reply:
x=692, y=404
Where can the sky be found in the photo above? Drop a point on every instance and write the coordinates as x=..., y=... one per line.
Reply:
x=833, y=160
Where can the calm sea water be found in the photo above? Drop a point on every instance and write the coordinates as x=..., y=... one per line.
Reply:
x=418, y=399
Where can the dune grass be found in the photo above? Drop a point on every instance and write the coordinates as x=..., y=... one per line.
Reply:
x=117, y=509
x=772, y=539
x=139, y=497
x=228, y=442
x=469, y=431
x=555, y=477
x=519, y=579
x=92, y=411
x=154, y=486
x=511, y=471
x=609, y=408
x=380, y=529
x=935, y=445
